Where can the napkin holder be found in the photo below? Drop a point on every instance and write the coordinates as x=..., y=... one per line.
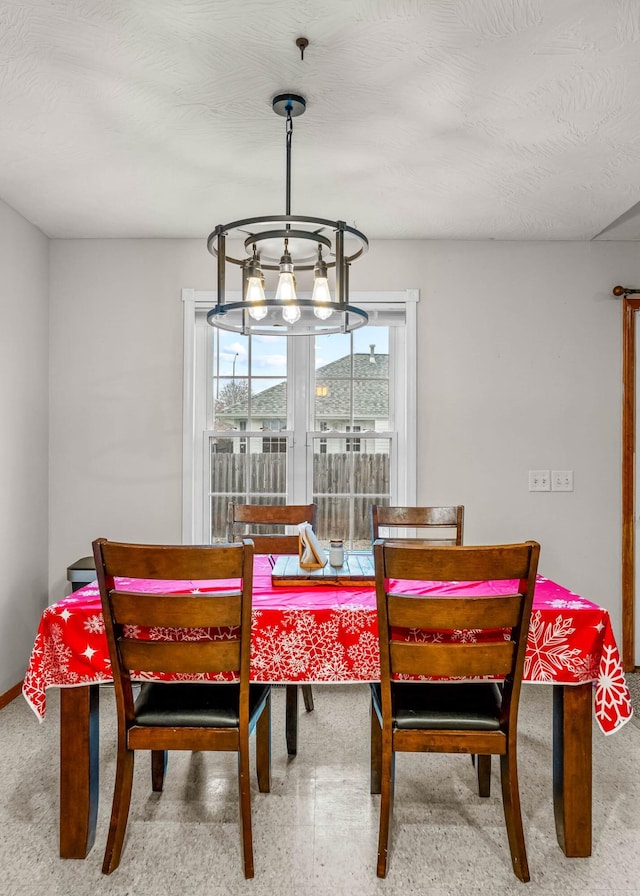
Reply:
x=310, y=553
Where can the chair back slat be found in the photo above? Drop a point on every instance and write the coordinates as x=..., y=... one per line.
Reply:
x=177, y=562
x=209, y=610
x=456, y=612
x=465, y=564
x=266, y=525
x=491, y=629
x=274, y=544
x=452, y=660
x=149, y=632
x=180, y=656
x=426, y=521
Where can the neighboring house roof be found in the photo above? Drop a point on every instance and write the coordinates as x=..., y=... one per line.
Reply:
x=370, y=392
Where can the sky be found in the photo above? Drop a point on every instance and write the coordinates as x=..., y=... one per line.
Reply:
x=269, y=352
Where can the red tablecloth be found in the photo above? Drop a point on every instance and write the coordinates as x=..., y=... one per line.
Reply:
x=321, y=634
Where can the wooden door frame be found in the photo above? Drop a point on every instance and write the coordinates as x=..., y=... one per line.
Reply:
x=629, y=309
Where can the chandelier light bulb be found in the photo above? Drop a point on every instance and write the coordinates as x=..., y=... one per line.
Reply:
x=291, y=313
x=321, y=293
x=286, y=291
x=256, y=297
x=255, y=288
x=322, y=313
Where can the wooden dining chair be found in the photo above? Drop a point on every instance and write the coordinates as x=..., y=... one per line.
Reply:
x=258, y=522
x=182, y=715
x=266, y=525
x=467, y=715
x=428, y=522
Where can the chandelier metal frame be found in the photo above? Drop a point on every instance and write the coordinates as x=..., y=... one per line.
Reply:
x=287, y=243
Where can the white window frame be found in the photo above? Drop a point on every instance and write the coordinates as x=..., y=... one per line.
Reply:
x=197, y=352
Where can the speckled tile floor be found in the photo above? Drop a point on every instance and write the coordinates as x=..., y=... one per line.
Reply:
x=316, y=832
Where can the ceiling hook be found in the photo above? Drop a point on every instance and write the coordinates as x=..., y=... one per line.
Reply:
x=302, y=43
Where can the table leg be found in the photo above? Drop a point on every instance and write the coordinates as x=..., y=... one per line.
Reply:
x=79, y=755
x=572, y=784
x=291, y=719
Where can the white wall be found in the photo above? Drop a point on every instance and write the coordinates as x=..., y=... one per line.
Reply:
x=24, y=458
x=519, y=369
x=116, y=393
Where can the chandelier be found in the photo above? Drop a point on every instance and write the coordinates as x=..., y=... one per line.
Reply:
x=290, y=245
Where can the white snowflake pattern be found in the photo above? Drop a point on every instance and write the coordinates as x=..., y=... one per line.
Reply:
x=466, y=635
x=162, y=633
x=37, y=649
x=201, y=676
x=290, y=616
x=32, y=686
x=591, y=667
x=365, y=656
x=421, y=635
x=562, y=604
x=355, y=618
x=334, y=666
x=271, y=654
x=548, y=649
x=94, y=624
x=56, y=657
x=306, y=650
x=613, y=701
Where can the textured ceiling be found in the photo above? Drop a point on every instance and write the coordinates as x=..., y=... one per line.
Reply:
x=436, y=119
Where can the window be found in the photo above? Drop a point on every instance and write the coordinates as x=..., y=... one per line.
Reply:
x=271, y=445
x=322, y=443
x=267, y=418
x=353, y=444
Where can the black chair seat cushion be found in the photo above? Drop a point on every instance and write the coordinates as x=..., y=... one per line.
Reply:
x=194, y=704
x=451, y=705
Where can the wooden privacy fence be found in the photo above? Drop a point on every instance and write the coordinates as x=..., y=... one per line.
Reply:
x=344, y=487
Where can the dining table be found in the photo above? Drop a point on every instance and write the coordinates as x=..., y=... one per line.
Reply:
x=320, y=630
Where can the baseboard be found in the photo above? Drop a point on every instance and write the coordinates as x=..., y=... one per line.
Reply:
x=10, y=695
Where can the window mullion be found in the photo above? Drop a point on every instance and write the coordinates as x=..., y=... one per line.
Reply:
x=299, y=401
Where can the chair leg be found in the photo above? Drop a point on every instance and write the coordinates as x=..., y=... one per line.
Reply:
x=307, y=695
x=119, y=810
x=158, y=769
x=376, y=751
x=263, y=748
x=513, y=815
x=386, y=802
x=483, y=772
x=244, y=791
x=291, y=718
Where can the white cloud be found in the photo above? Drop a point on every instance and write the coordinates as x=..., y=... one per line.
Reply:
x=233, y=349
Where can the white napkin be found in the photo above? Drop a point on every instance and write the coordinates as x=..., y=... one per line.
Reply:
x=311, y=554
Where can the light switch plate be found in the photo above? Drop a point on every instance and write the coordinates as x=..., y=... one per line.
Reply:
x=539, y=481
x=562, y=480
